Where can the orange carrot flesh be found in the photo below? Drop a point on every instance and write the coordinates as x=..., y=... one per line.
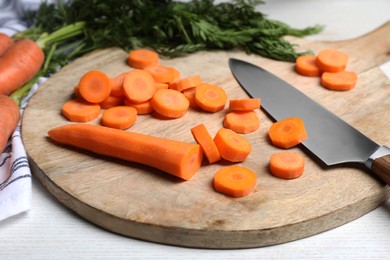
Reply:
x=9, y=118
x=203, y=138
x=341, y=81
x=247, y=104
x=242, y=122
x=111, y=101
x=5, y=42
x=190, y=95
x=235, y=181
x=139, y=86
x=141, y=58
x=94, y=86
x=177, y=158
x=18, y=64
x=331, y=60
x=160, y=85
x=287, y=165
x=232, y=146
x=77, y=110
x=120, y=117
x=188, y=82
x=288, y=132
x=170, y=103
x=210, y=98
x=117, y=85
x=142, y=108
x=306, y=66
x=161, y=73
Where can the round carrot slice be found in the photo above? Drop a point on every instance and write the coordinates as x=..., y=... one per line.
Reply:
x=287, y=165
x=306, y=66
x=246, y=104
x=139, y=86
x=341, y=81
x=142, y=58
x=120, y=117
x=235, y=181
x=232, y=146
x=170, y=103
x=331, y=60
x=210, y=98
x=288, y=132
x=160, y=73
x=242, y=122
x=94, y=86
x=78, y=110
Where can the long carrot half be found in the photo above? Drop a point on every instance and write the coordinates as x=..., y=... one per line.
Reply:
x=177, y=158
x=9, y=117
x=18, y=64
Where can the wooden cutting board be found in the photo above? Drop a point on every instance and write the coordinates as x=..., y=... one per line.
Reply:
x=144, y=203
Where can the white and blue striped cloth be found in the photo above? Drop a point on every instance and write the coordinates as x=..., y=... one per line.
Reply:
x=15, y=174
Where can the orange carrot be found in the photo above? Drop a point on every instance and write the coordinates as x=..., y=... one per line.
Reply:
x=170, y=103
x=160, y=85
x=142, y=58
x=235, y=181
x=117, y=85
x=287, y=165
x=161, y=73
x=190, y=95
x=9, y=118
x=142, y=108
x=342, y=80
x=288, y=132
x=203, y=138
x=246, y=104
x=188, y=82
x=242, y=122
x=174, y=157
x=78, y=110
x=120, y=117
x=5, y=42
x=331, y=60
x=306, y=66
x=111, y=101
x=139, y=86
x=94, y=86
x=18, y=64
x=232, y=146
x=210, y=98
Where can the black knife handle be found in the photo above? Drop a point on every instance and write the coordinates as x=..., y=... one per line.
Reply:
x=381, y=168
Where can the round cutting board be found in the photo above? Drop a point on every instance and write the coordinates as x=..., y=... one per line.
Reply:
x=145, y=203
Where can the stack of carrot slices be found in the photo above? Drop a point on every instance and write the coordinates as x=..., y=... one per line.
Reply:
x=330, y=65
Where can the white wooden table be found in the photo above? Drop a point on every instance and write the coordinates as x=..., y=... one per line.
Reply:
x=51, y=231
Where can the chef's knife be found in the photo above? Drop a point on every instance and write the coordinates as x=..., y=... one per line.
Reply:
x=331, y=139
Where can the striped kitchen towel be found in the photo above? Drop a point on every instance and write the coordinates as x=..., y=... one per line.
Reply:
x=15, y=174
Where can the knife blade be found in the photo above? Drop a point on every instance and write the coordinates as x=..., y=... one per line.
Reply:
x=330, y=139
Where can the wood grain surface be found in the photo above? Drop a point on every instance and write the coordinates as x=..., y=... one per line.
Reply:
x=144, y=203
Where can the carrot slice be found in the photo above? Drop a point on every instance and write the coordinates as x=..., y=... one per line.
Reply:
x=342, y=80
x=94, y=86
x=190, y=95
x=111, y=101
x=306, y=66
x=210, y=98
x=232, y=146
x=331, y=60
x=203, y=138
x=160, y=85
x=235, y=181
x=161, y=73
x=78, y=110
x=287, y=165
x=246, y=104
x=142, y=108
x=142, y=58
x=177, y=158
x=242, y=122
x=117, y=85
x=170, y=103
x=139, y=86
x=188, y=82
x=120, y=117
x=288, y=132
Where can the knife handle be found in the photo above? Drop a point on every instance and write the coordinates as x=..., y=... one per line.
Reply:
x=381, y=167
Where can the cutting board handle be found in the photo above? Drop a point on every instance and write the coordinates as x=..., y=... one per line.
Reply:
x=381, y=167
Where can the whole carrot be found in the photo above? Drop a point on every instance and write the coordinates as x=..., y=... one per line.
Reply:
x=5, y=42
x=19, y=64
x=180, y=159
x=9, y=118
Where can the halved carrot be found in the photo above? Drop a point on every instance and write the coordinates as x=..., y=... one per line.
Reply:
x=246, y=104
x=342, y=80
x=111, y=101
x=331, y=60
x=139, y=86
x=94, y=86
x=210, y=98
x=78, y=110
x=242, y=122
x=203, y=138
x=142, y=58
x=5, y=42
x=190, y=95
x=120, y=117
x=306, y=66
x=235, y=181
x=170, y=103
x=142, y=108
x=287, y=132
x=177, y=158
x=188, y=82
x=161, y=73
x=232, y=146
x=287, y=165
x=9, y=118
